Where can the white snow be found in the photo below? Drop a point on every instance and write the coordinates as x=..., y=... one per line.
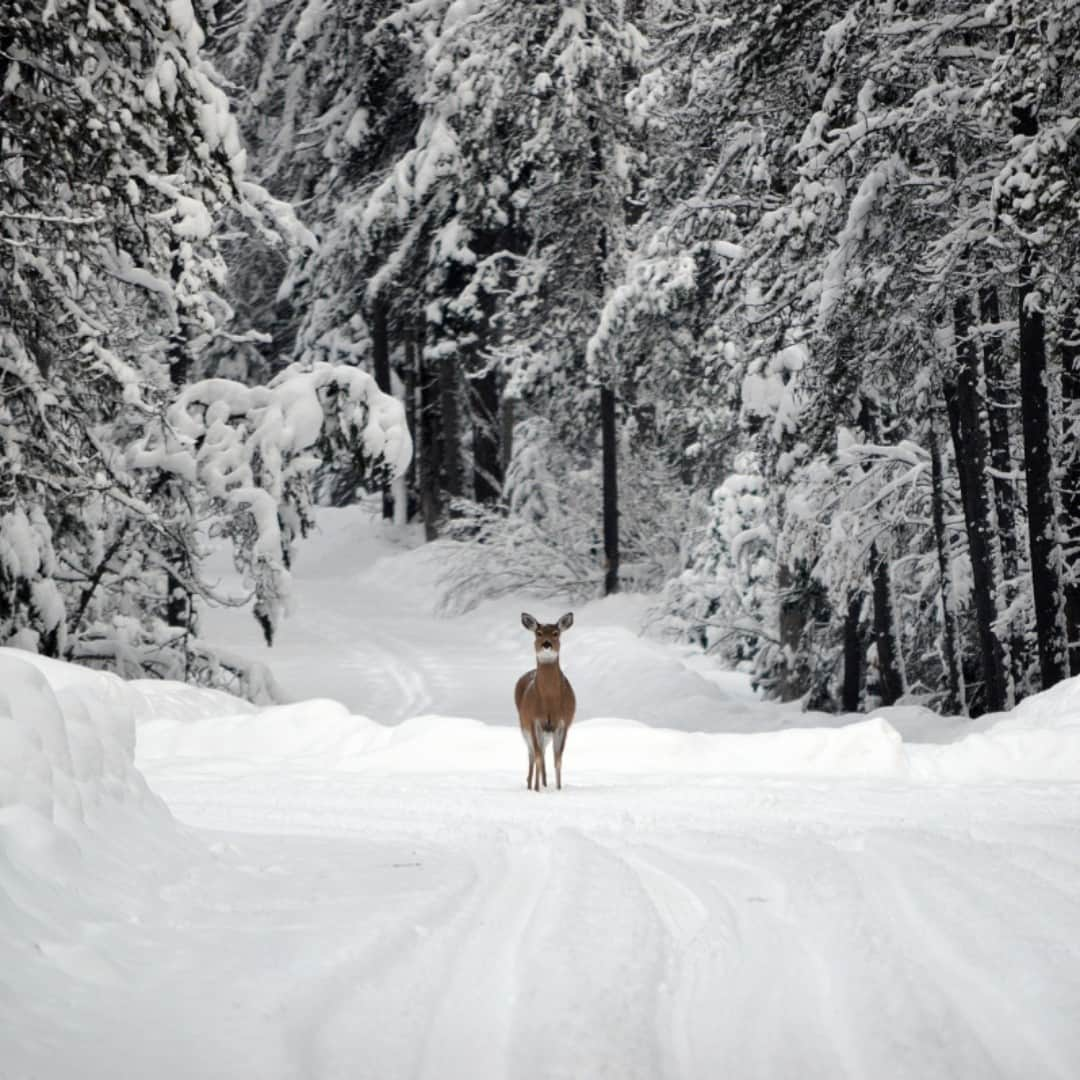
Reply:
x=364, y=888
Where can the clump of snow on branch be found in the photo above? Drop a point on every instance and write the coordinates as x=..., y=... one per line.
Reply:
x=770, y=390
x=252, y=450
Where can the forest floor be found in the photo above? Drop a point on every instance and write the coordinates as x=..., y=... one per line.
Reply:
x=358, y=884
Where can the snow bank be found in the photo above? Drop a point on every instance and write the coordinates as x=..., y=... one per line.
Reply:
x=1038, y=740
x=68, y=739
x=67, y=746
x=322, y=737
x=78, y=823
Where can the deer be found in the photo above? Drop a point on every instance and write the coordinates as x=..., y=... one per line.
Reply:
x=545, y=700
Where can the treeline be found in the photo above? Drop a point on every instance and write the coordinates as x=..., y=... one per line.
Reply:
x=818, y=259
x=769, y=308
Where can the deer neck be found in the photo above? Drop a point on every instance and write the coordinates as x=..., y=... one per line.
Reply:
x=548, y=677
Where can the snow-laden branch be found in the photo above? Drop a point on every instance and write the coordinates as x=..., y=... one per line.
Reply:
x=250, y=451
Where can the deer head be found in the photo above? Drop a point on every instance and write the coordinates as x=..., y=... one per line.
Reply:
x=547, y=636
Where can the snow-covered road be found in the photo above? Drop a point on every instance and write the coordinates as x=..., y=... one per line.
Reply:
x=360, y=898
x=631, y=926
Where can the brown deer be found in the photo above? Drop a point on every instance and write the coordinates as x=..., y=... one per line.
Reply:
x=545, y=700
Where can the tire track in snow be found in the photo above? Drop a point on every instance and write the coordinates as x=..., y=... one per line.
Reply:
x=409, y=690
x=591, y=964
x=749, y=996
x=685, y=915
x=469, y=1033
x=441, y=990
x=970, y=956
x=366, y=1016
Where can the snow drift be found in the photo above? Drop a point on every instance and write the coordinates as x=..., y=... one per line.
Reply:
x=67, y=748
x=1039, y=741
x=73, y=806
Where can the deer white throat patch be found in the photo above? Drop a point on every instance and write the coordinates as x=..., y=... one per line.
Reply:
x=547, y=656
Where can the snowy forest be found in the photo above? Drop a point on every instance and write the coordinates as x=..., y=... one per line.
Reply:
x=769, y=310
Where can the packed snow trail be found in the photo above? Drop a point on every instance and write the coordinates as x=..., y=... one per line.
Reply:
x=364, y=631
x=332, y=896
x=458, y=926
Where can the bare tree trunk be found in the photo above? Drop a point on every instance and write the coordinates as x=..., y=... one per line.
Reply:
x=487, y=460
x=1038, y=466
x=972, y=460
x=611, y=491
x=853, y=655
x=380, y=360
x=792, y=614
x=453, y=469
x=602, y=247
x=413, y=412
x=428, y=456
x=506, y=420
x=179, y=603
x=954, y=702
x=1001, y=464
x=1070, y=496
x=1044, y=543
x=888, y=650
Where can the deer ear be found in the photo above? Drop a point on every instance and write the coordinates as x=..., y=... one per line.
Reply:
x=566, y=621
x=528, y=621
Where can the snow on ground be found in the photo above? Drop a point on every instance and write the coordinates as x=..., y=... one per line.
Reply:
x=363, y=887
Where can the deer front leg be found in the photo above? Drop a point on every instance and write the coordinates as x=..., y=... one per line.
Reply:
x=560, y=742
x=526, y=735
x=539, y=769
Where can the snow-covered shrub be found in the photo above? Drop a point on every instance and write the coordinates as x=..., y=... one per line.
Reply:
x=725, y=598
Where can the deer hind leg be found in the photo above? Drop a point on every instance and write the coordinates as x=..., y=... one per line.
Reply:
x=560, y=742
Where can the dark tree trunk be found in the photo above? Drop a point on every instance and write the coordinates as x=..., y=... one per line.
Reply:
x=953, y=704
x=1043, y=537
x=1070, y=495
x=972, y=460
x=506, y=421
x=1038, y=466
x=611, y=491
x=380, y=360
x=179, y=609
x=1001, y=463
x=427, y=456
x=790, y=686
x=853, y=655
x=888, y=652
x=487, y=459
x=952, y=412
x=413, y=411
x=453, y=470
